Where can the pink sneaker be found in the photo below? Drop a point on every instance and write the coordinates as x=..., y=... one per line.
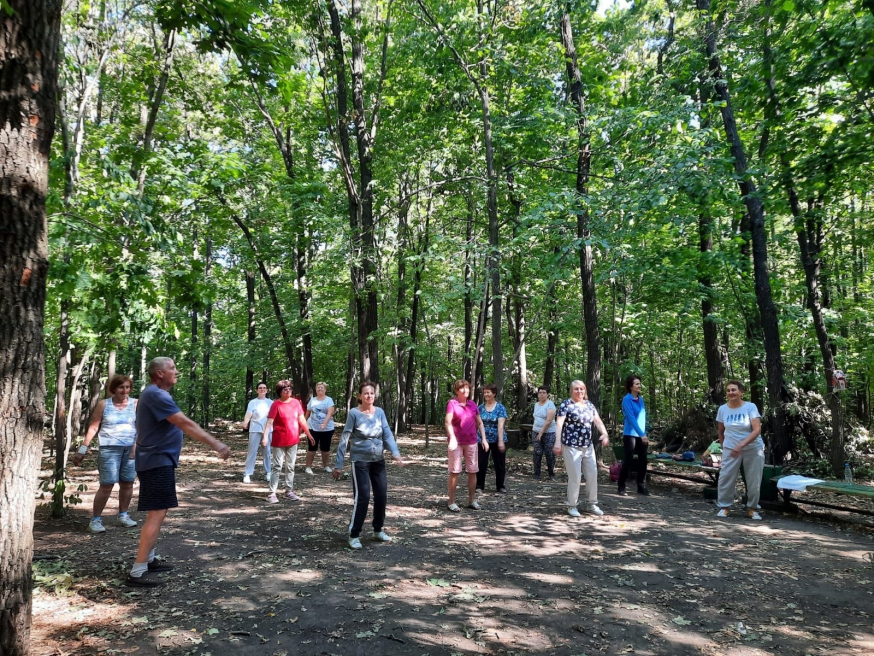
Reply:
x=272, y=499
x=291, y=495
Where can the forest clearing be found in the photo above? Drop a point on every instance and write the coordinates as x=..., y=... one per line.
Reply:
x=660, y=209
x=655, y=575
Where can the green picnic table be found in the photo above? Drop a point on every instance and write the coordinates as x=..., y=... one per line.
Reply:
x=834, y=487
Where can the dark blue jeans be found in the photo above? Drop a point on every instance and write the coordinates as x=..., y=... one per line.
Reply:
x=367, y=476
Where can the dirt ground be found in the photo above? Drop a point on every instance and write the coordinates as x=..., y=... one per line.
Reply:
x=657, y=575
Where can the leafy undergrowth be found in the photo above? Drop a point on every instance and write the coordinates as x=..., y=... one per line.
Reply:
x=656, y=575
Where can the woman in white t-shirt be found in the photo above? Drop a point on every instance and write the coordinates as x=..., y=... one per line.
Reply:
x=740, y=428
x=255, y=419
x=320, y=418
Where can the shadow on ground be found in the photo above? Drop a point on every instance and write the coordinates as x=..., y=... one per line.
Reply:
x=657, y=575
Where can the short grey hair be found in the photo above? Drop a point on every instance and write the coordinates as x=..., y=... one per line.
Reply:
x=577, y=382
x=157, y=364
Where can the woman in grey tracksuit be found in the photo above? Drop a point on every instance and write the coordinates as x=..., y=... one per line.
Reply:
x=366, y=435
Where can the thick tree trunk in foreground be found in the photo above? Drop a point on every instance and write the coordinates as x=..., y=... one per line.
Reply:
x=777, y=393
x=28, y=89
x=587, y=265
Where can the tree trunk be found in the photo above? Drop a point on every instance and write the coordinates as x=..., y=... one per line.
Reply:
x=712, y=348
x=250, y=334
x=28, y=89
x=206, y=414
x=192, y=369
x=549, y=375
x=360, y=192
x=60, y=419
x=777, y=392
x=468, y=292
x=809, y=233
x=149, y=114
x=293, y=367
x=518, y=305
x=584, y=163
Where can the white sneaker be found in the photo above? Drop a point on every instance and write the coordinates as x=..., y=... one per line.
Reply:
x=125, y=520
x=573, y=512
x=382, y=536
x=247, y=479
x=96, y=526
x=329, y=469
x=755, y=516
x=594, y=510
x=354, y=543
x=723, y=512
x=475, y=506
x=309, y=470
x=267, y=478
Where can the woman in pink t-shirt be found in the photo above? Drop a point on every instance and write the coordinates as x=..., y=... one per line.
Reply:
x=286, y=417
x=462, y=423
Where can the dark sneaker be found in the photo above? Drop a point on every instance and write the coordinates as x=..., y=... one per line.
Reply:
x=622, y=492
x=160, y=566
x=642, y=490
x=142, y=582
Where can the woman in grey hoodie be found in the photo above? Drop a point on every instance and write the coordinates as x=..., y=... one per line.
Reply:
x=366, y=435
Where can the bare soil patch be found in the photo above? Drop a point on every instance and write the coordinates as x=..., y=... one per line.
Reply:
x=657, y=575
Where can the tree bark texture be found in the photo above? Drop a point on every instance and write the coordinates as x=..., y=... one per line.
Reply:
x=777, y=393
x=29, y=48
x=584, y=164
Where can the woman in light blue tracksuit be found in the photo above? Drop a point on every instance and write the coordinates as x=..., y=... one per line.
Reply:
x=634, y=440
x=366, y=435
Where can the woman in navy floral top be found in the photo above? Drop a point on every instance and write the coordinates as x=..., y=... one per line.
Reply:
x=573, y=440
x=494, y=415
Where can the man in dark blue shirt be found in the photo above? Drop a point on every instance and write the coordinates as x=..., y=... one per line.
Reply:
x=160, y=425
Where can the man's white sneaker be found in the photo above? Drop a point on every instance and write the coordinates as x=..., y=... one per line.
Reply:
x=354, y=543
x=723, y=512
x=125, y=520
x=329, y=469
x=755, y=516
x=96, y=526
x=594, y=510
x=573, y=512
x=309, y=470
x=382, y=536
x=247, y=479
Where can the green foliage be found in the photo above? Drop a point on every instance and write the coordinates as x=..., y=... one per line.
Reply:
x=128, y=251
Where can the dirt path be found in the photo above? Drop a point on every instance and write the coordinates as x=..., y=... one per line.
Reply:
x=658, y=575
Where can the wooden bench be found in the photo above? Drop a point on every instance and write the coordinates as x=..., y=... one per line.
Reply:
x=834, y=487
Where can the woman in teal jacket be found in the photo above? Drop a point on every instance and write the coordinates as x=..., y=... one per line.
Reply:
x=634, y=440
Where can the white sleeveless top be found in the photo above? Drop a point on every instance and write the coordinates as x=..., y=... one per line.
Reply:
x=118, y=427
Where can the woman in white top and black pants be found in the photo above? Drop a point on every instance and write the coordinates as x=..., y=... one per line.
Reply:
x=740, y=428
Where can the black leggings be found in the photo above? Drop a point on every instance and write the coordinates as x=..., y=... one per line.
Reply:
x=631, y=446
x=368, y=477
x=499, y=458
